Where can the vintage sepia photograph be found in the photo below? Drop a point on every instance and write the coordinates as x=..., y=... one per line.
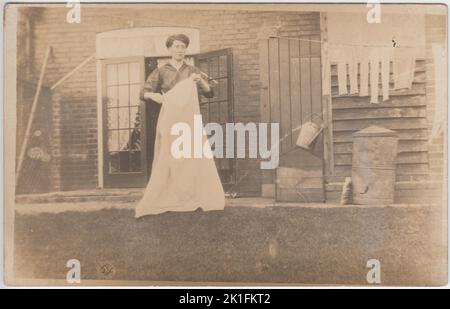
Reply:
x=218, y=144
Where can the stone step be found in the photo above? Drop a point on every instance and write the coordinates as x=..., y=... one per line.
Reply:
x=128, y=195
x=78, y=196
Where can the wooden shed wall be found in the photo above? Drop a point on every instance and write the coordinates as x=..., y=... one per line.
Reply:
x=405, y=112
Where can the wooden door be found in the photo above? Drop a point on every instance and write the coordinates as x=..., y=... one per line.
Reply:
x=218, y=65
x=291, y=93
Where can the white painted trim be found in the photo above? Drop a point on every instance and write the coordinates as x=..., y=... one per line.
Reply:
x=142, y=42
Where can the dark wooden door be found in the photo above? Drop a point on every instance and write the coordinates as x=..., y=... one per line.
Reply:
x=218, y=65
x=290, y=71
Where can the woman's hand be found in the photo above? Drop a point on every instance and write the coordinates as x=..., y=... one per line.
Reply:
x=157, y=97
x=200, y=81
x=196, y=77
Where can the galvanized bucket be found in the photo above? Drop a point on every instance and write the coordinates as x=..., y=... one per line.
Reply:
x=309, y=131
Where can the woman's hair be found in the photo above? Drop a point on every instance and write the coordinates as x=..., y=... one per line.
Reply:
x=177, y=37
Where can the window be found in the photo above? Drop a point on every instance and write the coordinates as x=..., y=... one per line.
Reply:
x=123, y=134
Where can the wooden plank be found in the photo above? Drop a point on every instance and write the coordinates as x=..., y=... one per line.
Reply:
x=327, y=111
x=414, y=169
x=274, y=85
x=286, y=172
x=401, y=170
x=363, y=103
x=304, y=195
x=328, y=135
x=274, y=80
x=333, y=197
x=419, y=78
x=392, y=124
x=267, y=175
x=296, y=111
x=303, y=182
x=379, y=113
x=315, y=46
x=409, y=185
x=300, y=184
x=413, y=145
x=300, y=158
x=264, y=79
x=411, y=178
x=420, y=193
x=316, y=100
x=412, y=157
x=305, y=80
x=268, y=190
x=403, y=157
x=403, y=146
x=408, y=134
x=416, y=89
x=285, y=102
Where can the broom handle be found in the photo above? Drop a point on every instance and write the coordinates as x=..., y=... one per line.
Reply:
x=31, y=117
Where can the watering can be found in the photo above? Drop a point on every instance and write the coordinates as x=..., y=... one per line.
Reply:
x=309, y=131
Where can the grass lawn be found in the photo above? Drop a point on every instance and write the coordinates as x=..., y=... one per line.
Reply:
x=244, y=244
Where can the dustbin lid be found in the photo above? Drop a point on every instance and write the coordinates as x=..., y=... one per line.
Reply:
x=374, y=131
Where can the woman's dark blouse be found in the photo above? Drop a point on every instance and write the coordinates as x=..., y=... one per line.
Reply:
x=166, y=77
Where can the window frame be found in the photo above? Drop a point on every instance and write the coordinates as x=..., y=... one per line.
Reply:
x=122, y=179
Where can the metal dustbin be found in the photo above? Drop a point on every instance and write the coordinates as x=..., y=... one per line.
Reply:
x=373, y=165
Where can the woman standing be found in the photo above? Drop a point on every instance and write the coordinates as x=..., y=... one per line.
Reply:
x=178, y=184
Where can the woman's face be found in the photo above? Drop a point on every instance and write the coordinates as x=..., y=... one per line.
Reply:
x=177, y=50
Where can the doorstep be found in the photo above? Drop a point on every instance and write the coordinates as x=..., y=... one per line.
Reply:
x=122, y=195
x=100, y=199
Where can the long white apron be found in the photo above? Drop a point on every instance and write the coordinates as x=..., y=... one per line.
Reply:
x=180, y=184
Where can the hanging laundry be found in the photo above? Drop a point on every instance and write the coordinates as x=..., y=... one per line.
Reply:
x=342, y=77
x=385, y=69
x=340, y=56
x=353, y=71
x=374, y=74
x=363, y=72
x=403, y=67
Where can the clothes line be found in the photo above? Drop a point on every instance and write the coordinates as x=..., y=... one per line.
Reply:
x=73, y=71
x=344, y=44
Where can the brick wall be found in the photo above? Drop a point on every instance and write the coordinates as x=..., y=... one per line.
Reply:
x=74, y=114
